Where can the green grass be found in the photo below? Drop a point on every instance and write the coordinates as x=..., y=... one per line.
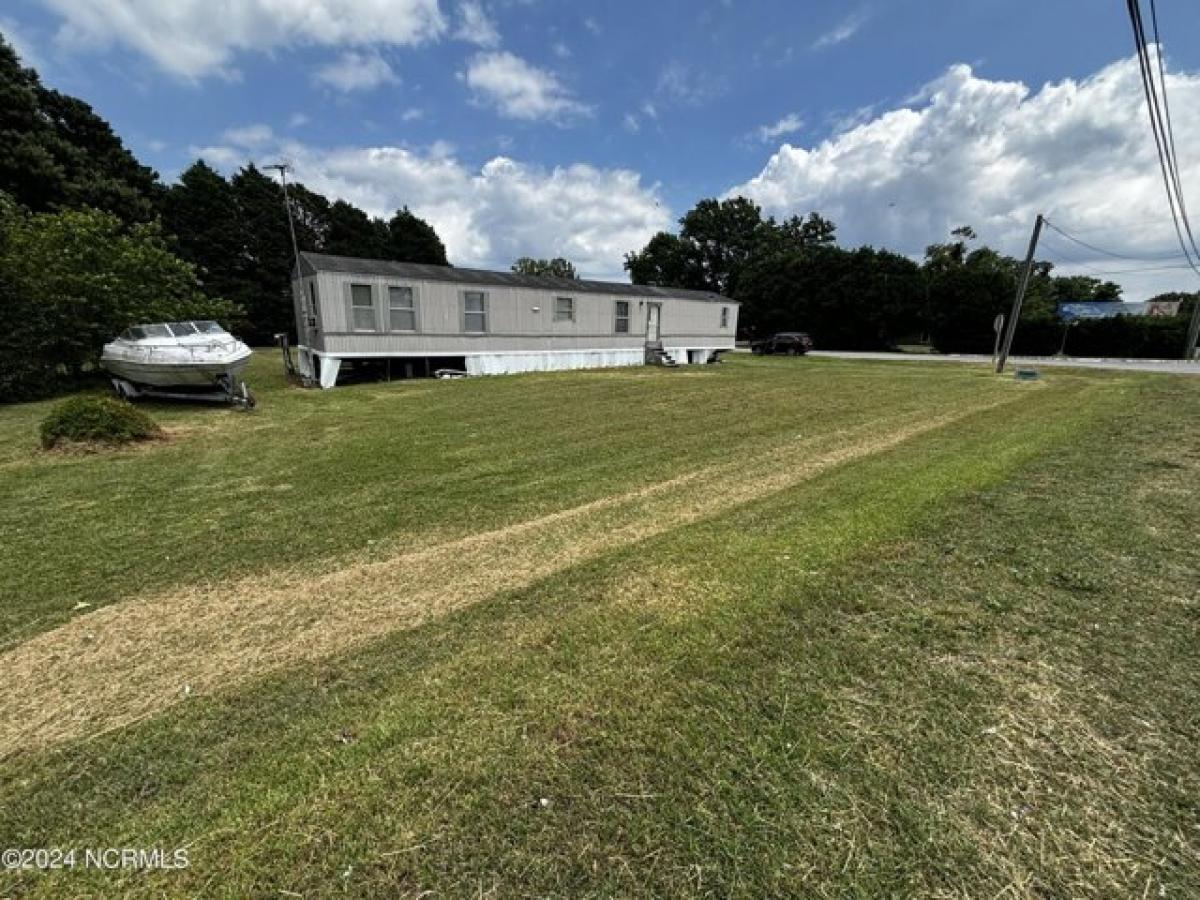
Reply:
x=308, y=476
x=964, y=665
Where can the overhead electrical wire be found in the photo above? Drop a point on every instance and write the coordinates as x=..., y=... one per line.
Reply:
x=1166, y=105
x=1164, y=142
x=1105, y=273
x=1112, y=253
x=1065, y=258
x=1163, y=135
x=1123, y=225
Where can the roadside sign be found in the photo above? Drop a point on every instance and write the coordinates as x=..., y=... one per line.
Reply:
x=998, y=327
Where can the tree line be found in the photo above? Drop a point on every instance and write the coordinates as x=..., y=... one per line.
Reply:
x=91, y=240
x=792, y=275
x=235, y=234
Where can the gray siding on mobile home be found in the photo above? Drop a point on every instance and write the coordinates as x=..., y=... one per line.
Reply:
x=520, y=328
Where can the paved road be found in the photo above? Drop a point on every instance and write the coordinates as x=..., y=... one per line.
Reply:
x=1169, y=366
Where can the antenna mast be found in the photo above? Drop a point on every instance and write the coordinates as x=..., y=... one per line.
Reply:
x=282, y=168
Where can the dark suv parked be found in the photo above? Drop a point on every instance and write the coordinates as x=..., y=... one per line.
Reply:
x=792, y=343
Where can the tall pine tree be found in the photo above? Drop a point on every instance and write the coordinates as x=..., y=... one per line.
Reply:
x=353, y=233
x=412, y=239
x=266, y=254
x=202, y=212
x=56, y=153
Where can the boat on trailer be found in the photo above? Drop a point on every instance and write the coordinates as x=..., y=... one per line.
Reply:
x=194, y=360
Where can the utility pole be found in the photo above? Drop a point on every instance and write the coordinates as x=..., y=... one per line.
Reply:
x=1193, y=330
x=1011, y=330
x=282, y=169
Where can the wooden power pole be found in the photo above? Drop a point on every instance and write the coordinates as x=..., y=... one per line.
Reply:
x=1193, y=333
x=1011, y=330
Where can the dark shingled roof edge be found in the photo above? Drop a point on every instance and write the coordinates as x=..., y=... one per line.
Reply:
x=311, y=263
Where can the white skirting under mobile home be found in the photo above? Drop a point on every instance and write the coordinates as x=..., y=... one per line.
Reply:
x=327, y=369
x=550, y=361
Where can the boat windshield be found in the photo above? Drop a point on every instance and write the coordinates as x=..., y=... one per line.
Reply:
x=209, y=328
x=138, y=332
x=182, y=329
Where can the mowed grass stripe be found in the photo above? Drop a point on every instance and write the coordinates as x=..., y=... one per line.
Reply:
x=312, y=479
x=669, y=697
x=127, y=661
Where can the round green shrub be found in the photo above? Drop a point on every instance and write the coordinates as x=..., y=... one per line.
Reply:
x=92, y=420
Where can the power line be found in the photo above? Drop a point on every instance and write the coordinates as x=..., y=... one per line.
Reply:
x=1193, y=333
x=1067, y=259
x=1158, y=126
x=1162, y=77
x=1164, y=145
x=1117, y=226
x=1113, y=253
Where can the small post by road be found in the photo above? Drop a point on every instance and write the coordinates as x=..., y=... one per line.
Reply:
x=1006, y=346
x=1062, y=348
x=998, y=327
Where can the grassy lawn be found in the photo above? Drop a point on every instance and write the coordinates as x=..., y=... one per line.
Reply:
x=778, y=627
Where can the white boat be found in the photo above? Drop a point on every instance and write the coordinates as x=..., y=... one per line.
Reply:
x=166, y=358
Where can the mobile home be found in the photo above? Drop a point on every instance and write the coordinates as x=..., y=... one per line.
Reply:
x=420, y=318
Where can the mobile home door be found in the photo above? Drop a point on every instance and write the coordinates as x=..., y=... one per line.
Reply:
x=653, y=314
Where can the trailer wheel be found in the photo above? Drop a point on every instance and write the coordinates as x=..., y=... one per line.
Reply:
x=243, y=398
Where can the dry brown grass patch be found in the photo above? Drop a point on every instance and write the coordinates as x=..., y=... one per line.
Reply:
x=128, y=661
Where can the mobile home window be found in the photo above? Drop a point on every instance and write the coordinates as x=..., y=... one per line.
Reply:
x=622, y=317
x=724, y=316
x=402, y=309
x=362, y=308
x=564, y=309
x=475, y=311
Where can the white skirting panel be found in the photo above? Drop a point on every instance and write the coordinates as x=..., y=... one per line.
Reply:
x=684, y=356
x=508, y=363
x=304, y=362
x=330, y=365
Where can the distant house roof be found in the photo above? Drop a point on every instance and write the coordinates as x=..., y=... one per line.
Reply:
x=311, y=263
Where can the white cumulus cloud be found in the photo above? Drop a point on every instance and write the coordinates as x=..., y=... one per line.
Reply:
x=992, y=154
x=475, y=25
x=843, y=30
x=687, y=84
x=248, y=135
x=487, y=216
x=789, y=124
x=519, y=90
x=195, y=38
x=356, y=70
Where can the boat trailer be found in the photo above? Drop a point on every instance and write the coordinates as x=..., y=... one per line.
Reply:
x=236, y=395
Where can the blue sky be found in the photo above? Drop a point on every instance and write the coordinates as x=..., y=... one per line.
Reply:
x=546, y=126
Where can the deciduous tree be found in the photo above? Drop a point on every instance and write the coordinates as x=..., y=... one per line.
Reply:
x=73, y=280
x=557, y=267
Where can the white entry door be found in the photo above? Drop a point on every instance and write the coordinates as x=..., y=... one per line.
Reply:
x=653, y=311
